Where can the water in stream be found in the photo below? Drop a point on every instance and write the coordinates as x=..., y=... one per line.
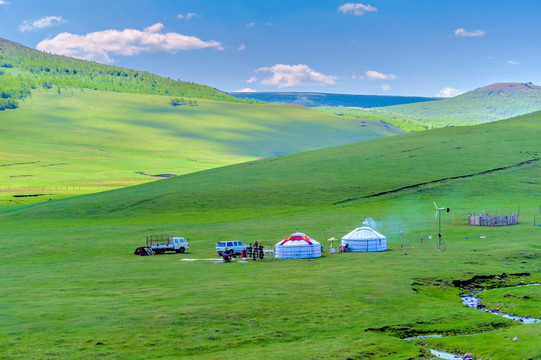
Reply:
x=471, y=301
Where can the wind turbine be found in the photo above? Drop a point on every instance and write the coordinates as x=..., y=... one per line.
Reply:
x=438, y=215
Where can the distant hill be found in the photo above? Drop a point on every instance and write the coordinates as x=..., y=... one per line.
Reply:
x=489, y=103
x=23, y=69
x=310, y=99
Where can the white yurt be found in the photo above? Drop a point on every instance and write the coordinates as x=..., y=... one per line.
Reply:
x=297, y=246
x=365, y=239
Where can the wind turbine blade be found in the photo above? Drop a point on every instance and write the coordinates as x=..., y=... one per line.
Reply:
x=435, y=216
x=435, y=204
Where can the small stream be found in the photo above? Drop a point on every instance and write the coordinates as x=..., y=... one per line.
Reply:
x=471, y=301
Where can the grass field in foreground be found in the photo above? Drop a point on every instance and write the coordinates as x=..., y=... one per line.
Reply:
x=82, y=141
x=75, y=290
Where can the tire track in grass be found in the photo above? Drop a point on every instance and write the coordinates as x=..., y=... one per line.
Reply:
x=527, y=162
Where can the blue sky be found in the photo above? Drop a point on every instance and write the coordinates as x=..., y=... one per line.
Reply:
x=408, y=47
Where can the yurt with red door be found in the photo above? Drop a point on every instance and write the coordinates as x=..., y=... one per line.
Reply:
x=297, y=246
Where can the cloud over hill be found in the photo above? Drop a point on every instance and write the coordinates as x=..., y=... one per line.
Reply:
x=100, y=45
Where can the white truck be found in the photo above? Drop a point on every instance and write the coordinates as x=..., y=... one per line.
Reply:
x=162, y=243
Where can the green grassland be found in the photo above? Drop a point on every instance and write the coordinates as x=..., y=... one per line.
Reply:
x=490, y=103
x=74, y=289
x=80, y=141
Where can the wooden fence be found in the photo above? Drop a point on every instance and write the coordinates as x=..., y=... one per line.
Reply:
x=493, y=220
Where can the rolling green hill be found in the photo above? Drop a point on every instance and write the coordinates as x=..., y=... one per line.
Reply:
x=23, y=69
x=75, y=289
x=80, y=141
x=83, y=127
x=488, y=103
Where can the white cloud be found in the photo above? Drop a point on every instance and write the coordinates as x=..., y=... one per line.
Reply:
x=250, y=24
x=385, y=87
x=512, y=62
x=100, y=45
x=154, y=28
x=188, y=16
x=246, y=90
x=374, y=75
x=448, y=92
x=251, y=80
x=356, y=9
x=462, y=32
x=268, y=24
x=41, y=23
x=241, y=47
x=3, y=2
x=294, y=75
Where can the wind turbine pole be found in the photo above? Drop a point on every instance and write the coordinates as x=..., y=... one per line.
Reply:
x=438, y=214
x=439, y=230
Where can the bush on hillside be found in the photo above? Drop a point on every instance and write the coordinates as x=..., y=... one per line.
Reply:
x=177, y=102
x=8, y=104
x=182, y=101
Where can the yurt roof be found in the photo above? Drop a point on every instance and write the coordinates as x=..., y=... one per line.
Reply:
x=363, y=233
x=298, y=238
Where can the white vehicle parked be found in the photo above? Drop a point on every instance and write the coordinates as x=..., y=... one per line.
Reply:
x=162, y=243
x=230, y=247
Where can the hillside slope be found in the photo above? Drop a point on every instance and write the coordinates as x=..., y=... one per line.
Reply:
x=23, y=69
x=336, y=175
x=75, y=289
x=81, y=141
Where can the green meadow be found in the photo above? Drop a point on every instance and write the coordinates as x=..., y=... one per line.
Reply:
x=66, y=142
x=73, y=289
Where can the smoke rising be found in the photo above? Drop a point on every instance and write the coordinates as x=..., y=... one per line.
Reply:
x=370, y=222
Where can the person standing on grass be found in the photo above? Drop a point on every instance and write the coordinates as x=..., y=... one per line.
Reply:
x=261, y=254
x=254, y=251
